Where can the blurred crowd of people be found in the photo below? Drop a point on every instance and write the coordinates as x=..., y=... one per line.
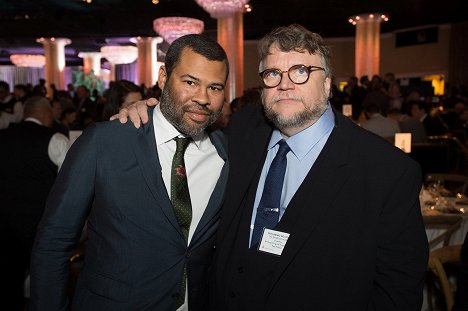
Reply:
x=74, y=108
x=381, y=106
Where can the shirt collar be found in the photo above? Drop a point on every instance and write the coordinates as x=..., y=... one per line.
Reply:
x=303, y=142
x=31, y=119
x=166, y=132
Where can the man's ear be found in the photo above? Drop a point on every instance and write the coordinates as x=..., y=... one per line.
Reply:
x=162, y=77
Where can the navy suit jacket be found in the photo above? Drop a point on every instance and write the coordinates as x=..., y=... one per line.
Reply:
x=136, y=251
x=357, y=240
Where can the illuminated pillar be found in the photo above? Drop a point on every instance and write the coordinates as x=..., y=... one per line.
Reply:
x=367, y=49
x=229, y=14
x=91, y=61
x=147, y=60
x=54, y=50
x=231, y=38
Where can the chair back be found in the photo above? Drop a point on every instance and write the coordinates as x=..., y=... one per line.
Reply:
x=445, y=225
x=437, y=259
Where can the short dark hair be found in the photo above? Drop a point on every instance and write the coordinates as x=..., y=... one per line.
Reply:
x=4, y=85
x=199, y=44
x=296, y=38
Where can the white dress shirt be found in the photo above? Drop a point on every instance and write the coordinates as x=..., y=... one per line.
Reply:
x=202, y=164
x=58, y=145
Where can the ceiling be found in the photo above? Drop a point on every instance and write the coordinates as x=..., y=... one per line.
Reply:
x=91, y=26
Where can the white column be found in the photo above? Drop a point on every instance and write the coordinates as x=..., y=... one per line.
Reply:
x=147, y=60
x=91, y=61
x=54, y=50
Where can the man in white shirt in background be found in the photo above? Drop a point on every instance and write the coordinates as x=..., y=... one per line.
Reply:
x=11, y=110
x=31, y=155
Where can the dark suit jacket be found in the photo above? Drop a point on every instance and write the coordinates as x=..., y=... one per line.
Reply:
x=136, y=251
x=357, y=240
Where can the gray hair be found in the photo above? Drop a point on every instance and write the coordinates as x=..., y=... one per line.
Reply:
x=35, y=104
x=296, y=38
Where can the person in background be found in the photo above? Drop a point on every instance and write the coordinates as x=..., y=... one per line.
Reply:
x=408, y=124
x=432, y=123
x=11, y=109
x=85, y=107
x=31, y=155
x=309, y=222
x=20, y=92
x=57, y=125
x=121, y=94
x=380, y=125
x=152, y=208
x=68, y=119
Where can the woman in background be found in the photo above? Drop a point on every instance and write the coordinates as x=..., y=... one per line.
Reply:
x=122, y=93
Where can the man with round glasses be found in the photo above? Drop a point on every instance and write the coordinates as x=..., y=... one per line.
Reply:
x=319, y=214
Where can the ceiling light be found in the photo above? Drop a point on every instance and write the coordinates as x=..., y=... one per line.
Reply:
x=222, y=8
x=119, y=54
x=172, y=28
x=28, y=60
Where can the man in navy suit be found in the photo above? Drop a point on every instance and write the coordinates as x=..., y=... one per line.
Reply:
x=345, y=231
x=139, y=256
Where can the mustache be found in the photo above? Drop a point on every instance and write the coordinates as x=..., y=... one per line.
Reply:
x=197, y=108
x=277, y=98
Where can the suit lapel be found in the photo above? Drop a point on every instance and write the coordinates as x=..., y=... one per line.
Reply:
x=316, y=193
x=147, y=157
x=214, y=204
x=251, y=153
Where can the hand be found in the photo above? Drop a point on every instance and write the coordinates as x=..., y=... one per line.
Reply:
x=137, y=112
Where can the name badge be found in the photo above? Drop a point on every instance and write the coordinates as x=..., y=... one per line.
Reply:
x=273, y=242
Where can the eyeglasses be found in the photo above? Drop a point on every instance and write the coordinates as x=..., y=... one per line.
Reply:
x=298, y=74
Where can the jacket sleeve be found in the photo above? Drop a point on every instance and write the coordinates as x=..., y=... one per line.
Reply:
x=402, y=251
x=67, y=208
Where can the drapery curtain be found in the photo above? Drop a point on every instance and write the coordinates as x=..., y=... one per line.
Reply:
x=20, y=75
x=126, y=72
x=25, y=75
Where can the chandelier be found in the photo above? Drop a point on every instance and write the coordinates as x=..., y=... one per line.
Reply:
x=119, y=54
x=222, y=8
x=28, y=60
x=377, y=17
x=172, y=28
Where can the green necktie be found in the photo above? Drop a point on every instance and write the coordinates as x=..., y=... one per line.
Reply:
x=180, y=198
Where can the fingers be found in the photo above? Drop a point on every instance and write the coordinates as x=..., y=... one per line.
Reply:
x=133, y=114
x=151, y=102
x=113, y=117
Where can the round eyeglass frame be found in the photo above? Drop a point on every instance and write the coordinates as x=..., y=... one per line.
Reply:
x=309, y=69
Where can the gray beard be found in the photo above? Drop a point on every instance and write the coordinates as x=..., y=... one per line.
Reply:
x=175, y=114
x=301, y=118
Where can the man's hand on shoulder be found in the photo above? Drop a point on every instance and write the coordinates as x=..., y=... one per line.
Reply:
x=137, y=112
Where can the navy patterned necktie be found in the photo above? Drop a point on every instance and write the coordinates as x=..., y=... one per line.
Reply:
x=269, y=207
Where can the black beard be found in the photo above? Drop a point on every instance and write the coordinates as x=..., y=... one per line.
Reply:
x=174, y=113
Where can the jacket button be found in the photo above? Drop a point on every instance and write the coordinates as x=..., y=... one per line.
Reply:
x=187, y=255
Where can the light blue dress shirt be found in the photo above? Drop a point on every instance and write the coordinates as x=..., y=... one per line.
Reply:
x=305, y=149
